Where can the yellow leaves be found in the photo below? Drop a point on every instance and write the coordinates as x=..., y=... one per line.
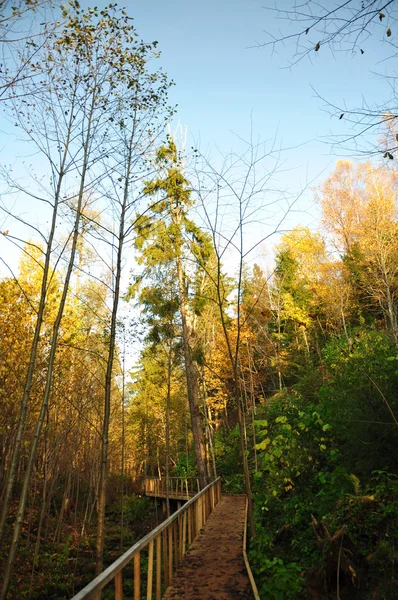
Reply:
x=263, y=445
x=292, y=311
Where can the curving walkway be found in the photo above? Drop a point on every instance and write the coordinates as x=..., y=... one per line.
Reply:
x=214, y=568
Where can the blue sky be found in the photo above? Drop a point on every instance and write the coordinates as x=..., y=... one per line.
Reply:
x=207, y=48
x=223, y=83
x=221, y=78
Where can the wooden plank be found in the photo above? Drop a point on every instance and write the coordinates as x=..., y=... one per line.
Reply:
x=119, y=586
x=149, y=584
x=159, y=567
x=137, y=576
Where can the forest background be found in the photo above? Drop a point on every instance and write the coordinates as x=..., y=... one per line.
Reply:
x=172, y=308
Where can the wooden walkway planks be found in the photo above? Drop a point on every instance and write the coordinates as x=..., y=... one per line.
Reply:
x=214, y=568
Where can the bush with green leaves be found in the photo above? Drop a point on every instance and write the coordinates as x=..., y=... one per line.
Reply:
x=185, y=466
x=295, y=444
x=358, y=398
x=369, y=519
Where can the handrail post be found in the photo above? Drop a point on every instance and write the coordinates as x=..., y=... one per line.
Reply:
x=150, y=572
x=137, y=576
x=176, y=539
x=159, y=567
x=119, y=586
x=165, y=559
x=170, y=534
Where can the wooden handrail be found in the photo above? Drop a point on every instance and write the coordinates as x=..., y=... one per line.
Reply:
x=245, y=558
x=177, y=486
x=171, y=538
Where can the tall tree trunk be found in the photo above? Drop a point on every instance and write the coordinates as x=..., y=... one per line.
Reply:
x=123, y=449
x=192, y=378
x=109, y=366
x=237, y=393
x=168, y=401
x=209, y=430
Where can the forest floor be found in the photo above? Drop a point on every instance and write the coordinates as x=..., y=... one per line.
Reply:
x=65, y=566
x=214, y=568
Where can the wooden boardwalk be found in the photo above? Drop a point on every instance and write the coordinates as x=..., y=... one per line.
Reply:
x=195, y=554
x=214, y=567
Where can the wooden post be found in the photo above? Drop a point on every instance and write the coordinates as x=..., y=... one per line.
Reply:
x=175, y=536
x=150, y=572
x=158, y=567
x=184, y=532
x=119, y=586
x=180, y=536
x=137, y=579
x=199, y=509
x=189, y=526
x=170, y=534
x=165, y=560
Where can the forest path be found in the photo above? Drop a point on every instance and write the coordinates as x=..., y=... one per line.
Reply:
x=214, y=567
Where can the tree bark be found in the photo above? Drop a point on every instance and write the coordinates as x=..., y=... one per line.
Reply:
x=192, y=379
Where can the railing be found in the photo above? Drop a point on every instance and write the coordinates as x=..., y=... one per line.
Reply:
x=245, y=558
x=182, y=487
x=171, y=539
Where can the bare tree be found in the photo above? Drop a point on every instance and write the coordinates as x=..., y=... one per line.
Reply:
x=237, y=199
x=25, y=26
x=347, y=27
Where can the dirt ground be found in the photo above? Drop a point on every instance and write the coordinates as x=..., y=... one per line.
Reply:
x=213, y=568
